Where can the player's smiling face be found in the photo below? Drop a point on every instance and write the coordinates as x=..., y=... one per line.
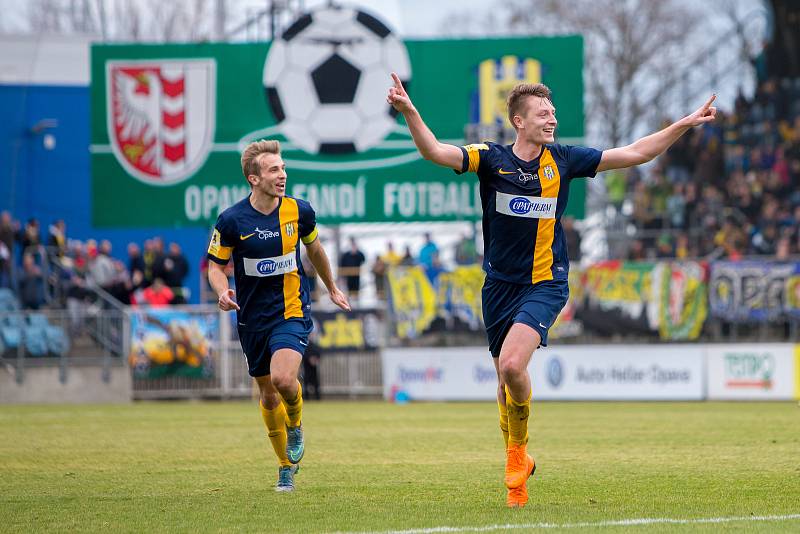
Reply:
x=272, y=180
x=538, y=125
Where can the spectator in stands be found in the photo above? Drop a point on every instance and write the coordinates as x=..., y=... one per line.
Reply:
x=379, y=275
x=391, y=257
x=176, y=268
x=573, y=239
x=157, y=294
x=679, y=160
x=5, y=265
x=664, y=248
x=136, y=265
x=149, y=259
x=408, y=258
x=676, y=207
x=78, y=259
x=466, y=252
x=350, y=264
x=427, y=251
x=8, y=230
x=636, y=251
x=783, y=249
x=30, y=240
x=616, y=187
x=101, y=266
x=682, y=247
x=311, y=361
x=57, y=238
x=31, y=284
x=120, y=286
x=158, y=258
x=435, y=268
x=730, y=240
x=765, y=240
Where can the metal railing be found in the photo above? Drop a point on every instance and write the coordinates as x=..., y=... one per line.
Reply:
x=80, y=336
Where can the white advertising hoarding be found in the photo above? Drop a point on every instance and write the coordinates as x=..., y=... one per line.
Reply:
x=437, y=373
x=764, y=371
x=618, y=372
x=578, y=372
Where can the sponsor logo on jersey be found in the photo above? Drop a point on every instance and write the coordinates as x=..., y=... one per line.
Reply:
x=524, y=206
x=266, y=234
x=526, y=177
x=270, y=266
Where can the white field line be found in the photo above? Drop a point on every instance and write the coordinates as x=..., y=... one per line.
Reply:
x=615, y=523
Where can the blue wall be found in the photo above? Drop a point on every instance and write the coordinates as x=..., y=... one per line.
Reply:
x=56, y=184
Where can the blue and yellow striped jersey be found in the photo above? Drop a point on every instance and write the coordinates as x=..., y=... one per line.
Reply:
x=523, y=202
x=270, y=282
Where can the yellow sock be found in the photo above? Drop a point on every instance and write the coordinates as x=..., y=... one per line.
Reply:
x=294, y=407
x=503, y=421
x=275, y=420
x=518, y=413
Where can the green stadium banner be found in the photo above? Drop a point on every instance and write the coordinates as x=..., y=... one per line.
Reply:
x=169, y=121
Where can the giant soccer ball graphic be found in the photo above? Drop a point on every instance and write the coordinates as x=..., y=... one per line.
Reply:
x=326, y=80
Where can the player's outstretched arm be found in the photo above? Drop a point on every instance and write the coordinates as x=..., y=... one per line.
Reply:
x=316, y=253
x=647, y=148
x=219, y=283
x=427, y=144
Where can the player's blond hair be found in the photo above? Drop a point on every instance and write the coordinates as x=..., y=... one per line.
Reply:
x=251, y=160
x=520, y=93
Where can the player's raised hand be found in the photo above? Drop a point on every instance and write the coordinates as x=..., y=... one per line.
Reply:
x=226, y=302
x=339, y=298
x=398, y=97
x=706, y=113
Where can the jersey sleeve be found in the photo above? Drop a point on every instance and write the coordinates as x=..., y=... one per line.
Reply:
x=582, y=162
x=307, y=223
x=223, y=239
x=474, y=157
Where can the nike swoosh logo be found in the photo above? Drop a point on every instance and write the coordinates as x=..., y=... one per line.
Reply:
x=243, y=237
x=501, y=171
x=543, y=326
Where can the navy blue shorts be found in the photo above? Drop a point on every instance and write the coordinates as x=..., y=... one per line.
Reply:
x=259, y=346
x=536, y=305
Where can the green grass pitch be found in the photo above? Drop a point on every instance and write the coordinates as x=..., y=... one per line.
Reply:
x=372, y=466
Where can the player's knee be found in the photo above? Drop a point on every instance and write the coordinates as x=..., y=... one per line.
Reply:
x=270, y=399
x=511, y=365
x=284, y=382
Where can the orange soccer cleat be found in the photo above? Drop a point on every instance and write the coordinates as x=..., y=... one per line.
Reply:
x=519, y=466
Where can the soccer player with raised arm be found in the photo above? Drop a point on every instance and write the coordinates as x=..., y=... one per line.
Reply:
x=262, y=233
x=524, y=189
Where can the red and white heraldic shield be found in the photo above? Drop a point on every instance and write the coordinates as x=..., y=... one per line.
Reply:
x=161, y=116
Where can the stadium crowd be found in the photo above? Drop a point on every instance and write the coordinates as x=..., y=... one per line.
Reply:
x=726, y=190
x=70, y=268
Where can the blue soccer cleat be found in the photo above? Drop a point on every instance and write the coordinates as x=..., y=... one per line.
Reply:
x=295, y=447
x=286, y=478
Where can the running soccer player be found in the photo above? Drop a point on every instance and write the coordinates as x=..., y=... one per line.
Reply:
x=524, y=189
x=261, y=233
